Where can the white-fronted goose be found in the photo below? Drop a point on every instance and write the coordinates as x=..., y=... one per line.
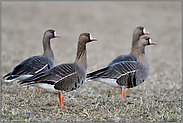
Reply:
x=132, y=56
x=126, y=74
x=65, y=77
x=35, y=64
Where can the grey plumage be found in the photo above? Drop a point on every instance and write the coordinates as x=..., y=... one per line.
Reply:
x=132, y=56
x=65, y=77
x=126, y=74
x=35, y=64
x=120, y=58
x=31, y=66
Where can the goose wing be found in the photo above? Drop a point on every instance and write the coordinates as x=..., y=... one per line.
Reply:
x=31, y=66
x=126, y=73
x=121, y=58
x=52, y=75
x=119, y=69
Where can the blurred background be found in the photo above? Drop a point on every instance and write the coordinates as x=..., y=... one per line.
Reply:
x=112, y=23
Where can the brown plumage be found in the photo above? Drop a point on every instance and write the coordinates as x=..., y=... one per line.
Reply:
x=65, y=77
x=126, y=74
x=35, y=64
x=132, y=56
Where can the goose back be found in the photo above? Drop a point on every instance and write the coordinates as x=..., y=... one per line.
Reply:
x=127, y=57
x=29, y=67
x=126, y=73
x=65, y=77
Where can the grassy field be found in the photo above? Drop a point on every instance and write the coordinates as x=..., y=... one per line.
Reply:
x=158, y=99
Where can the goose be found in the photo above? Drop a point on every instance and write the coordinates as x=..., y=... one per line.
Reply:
x=35, y=64
x=126, y=74
x=132, y=56
x=64, y=77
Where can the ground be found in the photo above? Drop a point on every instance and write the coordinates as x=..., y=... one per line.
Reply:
x=158, y=99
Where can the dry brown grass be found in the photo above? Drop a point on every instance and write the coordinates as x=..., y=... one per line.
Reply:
x=158, y=99
x=92, y=102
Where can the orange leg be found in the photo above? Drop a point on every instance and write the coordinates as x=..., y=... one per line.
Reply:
x=61, y=97
x=114, y=89
x=38, y=90
x=122, y=94
x=27, y=88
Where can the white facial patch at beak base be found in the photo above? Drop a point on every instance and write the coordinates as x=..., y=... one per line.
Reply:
x=145, y=33
x=151, y=42
x=144, y=30
x=92, y=38
x=55, y=33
